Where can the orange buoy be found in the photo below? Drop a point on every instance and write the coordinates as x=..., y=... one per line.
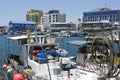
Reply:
x=5, y=66
x=18, y=76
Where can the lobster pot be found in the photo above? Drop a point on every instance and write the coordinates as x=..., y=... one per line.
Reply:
x=41, y=40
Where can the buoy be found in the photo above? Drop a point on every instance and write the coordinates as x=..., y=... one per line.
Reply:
x=18, y=77
x=5, y=66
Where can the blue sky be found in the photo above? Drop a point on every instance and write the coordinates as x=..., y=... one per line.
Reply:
x=16, y=9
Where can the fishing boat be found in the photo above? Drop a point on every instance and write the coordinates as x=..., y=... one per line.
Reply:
x=40, y=58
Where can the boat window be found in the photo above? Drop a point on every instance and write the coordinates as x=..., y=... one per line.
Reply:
x=23, y=41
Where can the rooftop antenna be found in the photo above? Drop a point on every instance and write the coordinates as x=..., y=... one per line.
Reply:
x=105, y=5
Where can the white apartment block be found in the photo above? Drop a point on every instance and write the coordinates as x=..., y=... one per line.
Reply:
x=53, y=16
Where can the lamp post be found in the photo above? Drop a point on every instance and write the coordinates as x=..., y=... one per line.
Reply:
x=79, y=24
x=67, y=29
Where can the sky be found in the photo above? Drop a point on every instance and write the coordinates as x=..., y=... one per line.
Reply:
x=74, y=9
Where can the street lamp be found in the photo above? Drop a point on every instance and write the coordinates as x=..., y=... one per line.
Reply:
x=79, y=20
x=68, y=29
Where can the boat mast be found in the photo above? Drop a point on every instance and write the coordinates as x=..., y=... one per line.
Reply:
x=42, y=49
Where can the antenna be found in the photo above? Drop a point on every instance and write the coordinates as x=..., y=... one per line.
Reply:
x=105, y=5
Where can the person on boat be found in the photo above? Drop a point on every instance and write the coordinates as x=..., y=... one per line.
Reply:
x=48, y=50
x=63, y=53
x=48, y=53
x=55, y=52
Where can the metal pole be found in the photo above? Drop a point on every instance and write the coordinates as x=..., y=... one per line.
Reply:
x=48, y=65
x=36, y=35
x=67, y=29
x=119, y=35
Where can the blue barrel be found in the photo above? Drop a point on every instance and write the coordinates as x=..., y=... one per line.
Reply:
x=42, y=56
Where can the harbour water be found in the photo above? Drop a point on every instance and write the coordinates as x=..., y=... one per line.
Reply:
x=9, y=46
x=63, y=43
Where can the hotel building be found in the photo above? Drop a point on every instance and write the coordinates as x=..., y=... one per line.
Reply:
x=53, y=16
x=21, y=26
x=34, y=15
x=104, y=17
x=102, y=14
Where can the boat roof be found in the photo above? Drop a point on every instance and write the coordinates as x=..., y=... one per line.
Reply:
x=45, y=44
x=23, y=37
x=77, y=42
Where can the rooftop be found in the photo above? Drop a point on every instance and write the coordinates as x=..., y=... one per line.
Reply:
x=23, y=22
x=102, y=9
